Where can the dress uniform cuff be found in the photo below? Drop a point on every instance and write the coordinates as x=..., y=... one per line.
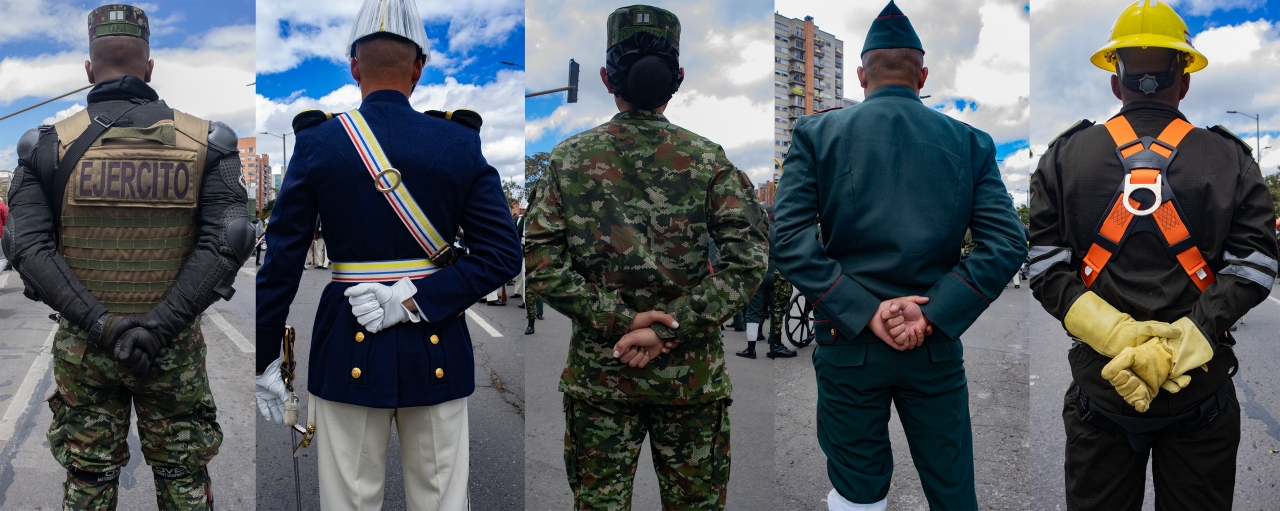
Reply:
x=848, y=305
x=954, y=305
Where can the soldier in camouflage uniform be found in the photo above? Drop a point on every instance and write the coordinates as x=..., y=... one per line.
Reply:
x=618, y=241
x=129, y=263
x=770, y=299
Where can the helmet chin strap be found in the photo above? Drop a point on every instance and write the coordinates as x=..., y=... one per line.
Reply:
x=1149, y=83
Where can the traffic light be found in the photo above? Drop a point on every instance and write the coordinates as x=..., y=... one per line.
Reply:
x=573, y=81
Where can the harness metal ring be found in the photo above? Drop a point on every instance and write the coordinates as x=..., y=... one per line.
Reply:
x=1130, y=187
x=377, y=180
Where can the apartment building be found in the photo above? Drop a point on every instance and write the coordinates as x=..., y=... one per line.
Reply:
x=808, y=76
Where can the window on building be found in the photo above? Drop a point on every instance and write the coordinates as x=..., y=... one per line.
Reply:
x=780, y=25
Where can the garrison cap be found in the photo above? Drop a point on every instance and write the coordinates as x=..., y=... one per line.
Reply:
x=395, y=17
x=891, y=29
x=628, y=21
x=118, y=19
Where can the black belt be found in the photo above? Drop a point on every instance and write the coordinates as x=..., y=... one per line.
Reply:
x=1143, y=433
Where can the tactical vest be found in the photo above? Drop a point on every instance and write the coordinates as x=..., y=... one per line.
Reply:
x=129, y=209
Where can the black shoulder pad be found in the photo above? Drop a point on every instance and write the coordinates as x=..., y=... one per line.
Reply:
x=1084, y=123
x=27, y=144
x=1226, y=133
x=223, y=138
x=309, y=118
x=468, y=118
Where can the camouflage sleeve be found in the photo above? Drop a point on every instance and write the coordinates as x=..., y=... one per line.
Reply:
x=734, y=222
x=550, y=273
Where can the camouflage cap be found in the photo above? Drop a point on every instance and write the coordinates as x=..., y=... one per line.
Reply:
x=118, y=19
x=628, y=21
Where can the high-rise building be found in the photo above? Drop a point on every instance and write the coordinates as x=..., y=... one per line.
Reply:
x=808, y=76
x=256, y=170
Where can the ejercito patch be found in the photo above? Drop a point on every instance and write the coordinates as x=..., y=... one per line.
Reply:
x=144, y=182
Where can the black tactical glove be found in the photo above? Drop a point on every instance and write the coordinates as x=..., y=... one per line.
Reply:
x=132, y=340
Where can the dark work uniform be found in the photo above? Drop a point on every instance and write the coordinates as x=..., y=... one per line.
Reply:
x=1229, y=210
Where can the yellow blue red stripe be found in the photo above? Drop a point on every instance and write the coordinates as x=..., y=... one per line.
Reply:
x=375, y=161
x=382, y=271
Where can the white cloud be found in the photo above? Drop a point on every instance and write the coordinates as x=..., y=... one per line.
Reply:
x=208, y=79
x=62, y=114
x=9, y=157
x=26, y=20
x=1244, y=65
x=321, y=29
x=727, y=60
x=499, y=102
x=976, y=51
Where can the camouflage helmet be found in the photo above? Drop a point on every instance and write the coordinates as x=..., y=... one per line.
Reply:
x=118, y=19
x=628, y=21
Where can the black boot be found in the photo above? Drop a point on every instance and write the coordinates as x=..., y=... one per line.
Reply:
x=529, y=330
x=750, y=352
x=776, y=349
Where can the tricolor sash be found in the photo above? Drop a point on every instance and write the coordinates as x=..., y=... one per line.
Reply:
x=383, y=271
x=380, y=169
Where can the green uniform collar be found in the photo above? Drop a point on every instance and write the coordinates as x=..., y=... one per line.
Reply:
x=636, y=114
x=1154, y=108
x=894, y=91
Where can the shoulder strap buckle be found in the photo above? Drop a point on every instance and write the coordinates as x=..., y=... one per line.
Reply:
x=1154, y=186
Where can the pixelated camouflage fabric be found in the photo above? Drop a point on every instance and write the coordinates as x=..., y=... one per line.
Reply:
x=621, y=226
x=631, y=20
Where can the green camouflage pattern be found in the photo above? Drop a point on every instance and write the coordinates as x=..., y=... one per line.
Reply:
x=177, y=423
x=781, y=303
x=621, y=226
x=690, y=446
x=628, y=21
x=118, y=19
x=532, y=305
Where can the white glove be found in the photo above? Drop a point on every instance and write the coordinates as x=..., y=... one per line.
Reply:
x=271, y=392
x=377, y=306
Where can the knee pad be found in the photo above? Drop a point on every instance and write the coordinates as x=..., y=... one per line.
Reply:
x=95, y=478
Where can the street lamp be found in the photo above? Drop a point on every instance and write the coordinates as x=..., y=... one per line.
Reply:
x=1257, y=131
x=284, y=157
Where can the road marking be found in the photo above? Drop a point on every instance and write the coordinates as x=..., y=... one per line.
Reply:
x=38, y=369
x=250, y=274
x=483, y=324
x=231, y=331
x=4, y=279
x=1274, y=299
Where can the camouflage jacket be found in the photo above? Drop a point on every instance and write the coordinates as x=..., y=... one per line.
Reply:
x=622, y=224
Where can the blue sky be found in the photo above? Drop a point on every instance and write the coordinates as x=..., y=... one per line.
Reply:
x=203, y=40
x=308, y=68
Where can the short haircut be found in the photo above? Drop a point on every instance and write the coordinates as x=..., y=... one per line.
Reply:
x=893, y=64
x=118, y=55
x=386, y=56
x=1151, y=60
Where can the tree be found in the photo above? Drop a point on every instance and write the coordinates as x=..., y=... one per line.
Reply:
x=1273, y=184
x=514, y=190
x=1024, y=213
x=534, y=167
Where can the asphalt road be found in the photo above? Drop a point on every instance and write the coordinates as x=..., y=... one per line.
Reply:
x=752, y=471
x=996, y=364
x=1257, y=387
x=495, y=411
x=29, y=476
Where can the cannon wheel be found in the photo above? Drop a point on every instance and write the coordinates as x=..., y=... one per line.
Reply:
x=798, y=326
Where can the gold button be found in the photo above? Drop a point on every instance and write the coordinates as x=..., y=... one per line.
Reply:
x=359, y=336
x=435, y=339
x=355, y=372
x=833, y=331
x=439, y=372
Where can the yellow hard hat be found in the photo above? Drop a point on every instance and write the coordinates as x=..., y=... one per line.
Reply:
x=1149, y=24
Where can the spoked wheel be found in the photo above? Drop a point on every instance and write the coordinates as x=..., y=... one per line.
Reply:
x=799, y=328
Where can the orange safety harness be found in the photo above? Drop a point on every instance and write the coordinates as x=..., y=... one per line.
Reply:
x=1144, y=160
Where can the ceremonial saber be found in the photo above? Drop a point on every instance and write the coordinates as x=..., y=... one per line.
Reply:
x=287, y=367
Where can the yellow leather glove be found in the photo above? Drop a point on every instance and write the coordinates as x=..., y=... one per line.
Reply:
x=1109, y=331
x=1139, y=373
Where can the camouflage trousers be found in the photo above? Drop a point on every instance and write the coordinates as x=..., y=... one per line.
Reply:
x=176, y=422
x=781, y=303
x=690, y=445
x=532, y=305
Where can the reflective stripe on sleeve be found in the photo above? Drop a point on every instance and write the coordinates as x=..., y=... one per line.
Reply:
x=1255, y=267
x=1042, y=257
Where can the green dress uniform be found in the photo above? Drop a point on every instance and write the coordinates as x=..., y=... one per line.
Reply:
x=895, y=185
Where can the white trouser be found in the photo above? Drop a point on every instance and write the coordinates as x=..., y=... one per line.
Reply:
x=318, y=251
x=351, y=443
x=836, y=502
